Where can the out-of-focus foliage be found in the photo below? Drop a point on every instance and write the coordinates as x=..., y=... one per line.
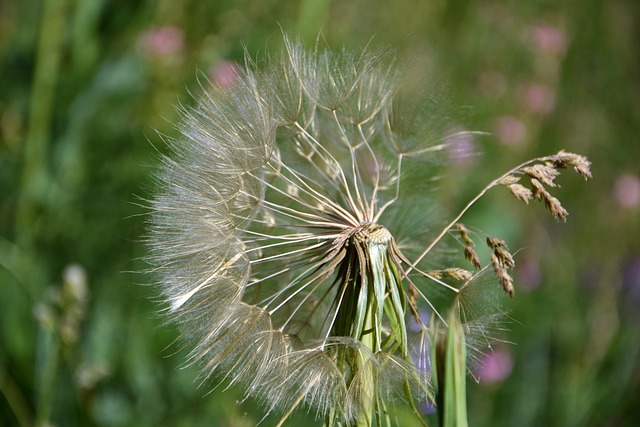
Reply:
x=87, y=88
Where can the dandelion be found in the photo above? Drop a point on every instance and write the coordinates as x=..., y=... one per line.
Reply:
x=293, y=242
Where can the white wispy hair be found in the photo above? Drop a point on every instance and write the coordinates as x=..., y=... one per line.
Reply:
x=272, y=236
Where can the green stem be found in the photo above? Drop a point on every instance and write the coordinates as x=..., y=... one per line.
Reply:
x=35, y=180
x=450, y=366
x=365, y=368
x=46, y=371
x=18, y=404
x=50, y=41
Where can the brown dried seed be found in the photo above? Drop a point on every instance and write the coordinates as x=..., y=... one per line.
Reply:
x=538, y=189
x=464, y=234
x=503, y=277
x=521, y=192
x=472, y=256
x=458, y=274
x=580, y=164
x=584, y=169
x=462, y=228
x=509, y=180
x=505, y=257
x=495, y=262
x=495, y=242
x=507, y=284
x=552, y=204
x=546, y=173
x=557, y=210
x=436, y=274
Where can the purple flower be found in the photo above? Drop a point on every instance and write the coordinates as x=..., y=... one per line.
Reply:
x=627, y=191
x=225, y=73
x=495, y=366
x=163, y=41
x=548, y=39
x=631, y=278
x=537, y=98
x=511, y=130
x=529, y=276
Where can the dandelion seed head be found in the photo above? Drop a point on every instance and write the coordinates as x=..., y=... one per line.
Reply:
x=289, y=234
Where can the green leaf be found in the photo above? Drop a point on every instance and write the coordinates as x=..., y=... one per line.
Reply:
x=454, y=411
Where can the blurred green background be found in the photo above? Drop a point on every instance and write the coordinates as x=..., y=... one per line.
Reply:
x=87, y=88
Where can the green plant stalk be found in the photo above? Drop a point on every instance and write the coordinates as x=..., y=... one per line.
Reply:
x=50, y=41
x=368, y=338
x=384, y=297
x=16, y=401
x=450, y=356
x=456, y=396
x=46, y=372
x=34, y=181
x=370, y=285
